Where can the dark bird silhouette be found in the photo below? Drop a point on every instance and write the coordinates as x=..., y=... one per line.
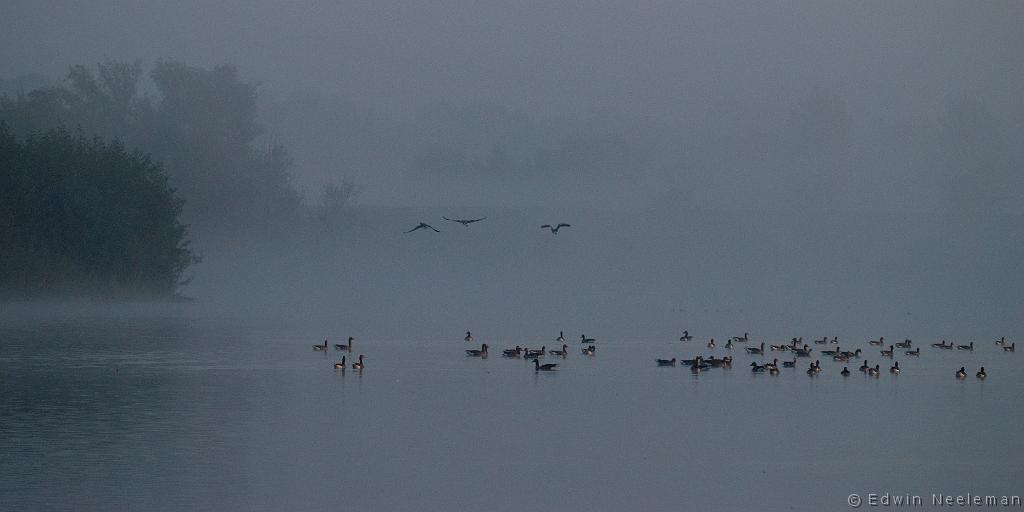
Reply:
x=464, y=222
x=422, y=226
x=554, y=229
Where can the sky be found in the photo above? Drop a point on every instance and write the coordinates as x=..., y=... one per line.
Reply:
x=649, y=57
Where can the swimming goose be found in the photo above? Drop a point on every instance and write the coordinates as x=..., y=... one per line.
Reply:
x=835, y=339
x=719, y=362
x=981, y=373
x=341, y=365
x=513, y=352
x=693, y=362
x=855, y=353
x=744, y=338
x=789, y=364
x=728, y=345
x=864, y=367
x=1011, y=348
x=804, y=352
x=757, y=368
x=906, y=344
x=879, y=341
x=822, y=341
x=811, y=370
x=773, y=364
x=876, y=371
x=556, y=352
x=550, y=367
x=339, y=346
x=423, y=225
x=961, y=373
x=755, y=350
x=1001, y=341
x=321, y=347
x=895, y=368
x=478, y=353
x=887, y=353
x=841, y=357
x=778, y=348
x=711, y=344
x=585, y=339
x=464, y=222
x=536, y=353
x=943, y=345
x=686, y=336
x=561, y=337
x=966, y=347
x=773, y=370
x=831, y=352
x=915, y=352
x=588, y=350
x=469, y=337
x=845, y=372
x=554, y=229
x=358, y=365
x=667, y=362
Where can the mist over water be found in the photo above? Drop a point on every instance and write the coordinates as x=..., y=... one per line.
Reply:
x=789, y=169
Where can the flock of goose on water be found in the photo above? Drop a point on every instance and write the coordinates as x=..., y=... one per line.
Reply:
x=699, y=363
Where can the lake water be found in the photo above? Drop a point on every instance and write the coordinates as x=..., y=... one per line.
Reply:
x=158, y=409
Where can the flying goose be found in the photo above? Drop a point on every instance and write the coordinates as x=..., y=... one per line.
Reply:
x=422, y=226
x=554, y=229
x=464, y=222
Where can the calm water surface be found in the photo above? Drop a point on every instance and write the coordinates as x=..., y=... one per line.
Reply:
x=181, y=412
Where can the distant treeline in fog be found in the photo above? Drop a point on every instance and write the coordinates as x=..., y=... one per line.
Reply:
x=200, y=124
x=83, y=216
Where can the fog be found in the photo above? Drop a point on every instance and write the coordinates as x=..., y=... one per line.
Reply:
x=781, y=166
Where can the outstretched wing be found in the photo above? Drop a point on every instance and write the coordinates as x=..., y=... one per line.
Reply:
x=546, y=226
x=421, y=226
x=474, y=220
x=563, y=225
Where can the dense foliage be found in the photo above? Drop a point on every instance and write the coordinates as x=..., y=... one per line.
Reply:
x=83, y=215
x=200, y=125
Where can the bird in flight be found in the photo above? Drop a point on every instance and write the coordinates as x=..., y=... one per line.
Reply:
x=554, y=229
x=465, y=222
x=421, y=226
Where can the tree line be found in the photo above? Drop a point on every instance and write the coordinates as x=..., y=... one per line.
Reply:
x=83, y=215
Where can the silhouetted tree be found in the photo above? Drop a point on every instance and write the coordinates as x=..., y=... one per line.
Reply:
x=79, y=214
